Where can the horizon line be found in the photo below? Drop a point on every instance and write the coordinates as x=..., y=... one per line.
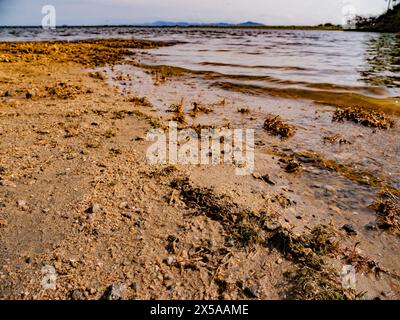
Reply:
x=148, y=25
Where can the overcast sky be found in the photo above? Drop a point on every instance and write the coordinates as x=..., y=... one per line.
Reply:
x=273, y=12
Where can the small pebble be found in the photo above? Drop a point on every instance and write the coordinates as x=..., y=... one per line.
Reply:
x=22, y=205
x=93, y=209
x=169, y=261
x=371, y=226
x=251, y=292
x=77, y=295
x=115, y=292
x=349, y=229
x=3, y=223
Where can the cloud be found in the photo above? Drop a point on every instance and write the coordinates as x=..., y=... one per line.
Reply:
x=27, y=12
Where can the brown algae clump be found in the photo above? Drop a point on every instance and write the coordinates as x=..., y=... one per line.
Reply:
x=198, y=108
x=98, y=75
x=244, y=110
x=142, y=101
x=108, y=134
x=363, y=264
x=266, y=178
x=368, y=118
x=277, y=127
x=292, y=166
x=336, y=138
x=387, y=208
x=179, y=112
x=64, y=90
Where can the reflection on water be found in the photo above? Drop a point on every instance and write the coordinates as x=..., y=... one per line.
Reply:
x=382, y=58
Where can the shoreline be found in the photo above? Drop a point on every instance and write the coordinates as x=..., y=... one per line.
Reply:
x=78, y=195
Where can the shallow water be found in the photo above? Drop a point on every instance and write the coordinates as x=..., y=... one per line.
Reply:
x=362, y=62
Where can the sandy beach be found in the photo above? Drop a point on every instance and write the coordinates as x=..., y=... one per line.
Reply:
x=78, y=195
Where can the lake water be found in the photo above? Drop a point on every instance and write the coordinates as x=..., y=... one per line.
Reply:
x=368, y=63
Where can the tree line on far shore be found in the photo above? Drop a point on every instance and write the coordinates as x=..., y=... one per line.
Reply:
x=387, y=22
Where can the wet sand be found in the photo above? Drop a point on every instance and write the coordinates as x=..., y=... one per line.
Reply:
x=77, y=194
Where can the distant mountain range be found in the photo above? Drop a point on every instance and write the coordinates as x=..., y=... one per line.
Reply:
x=187, y=24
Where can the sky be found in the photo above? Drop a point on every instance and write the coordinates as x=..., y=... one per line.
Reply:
x=270, y=12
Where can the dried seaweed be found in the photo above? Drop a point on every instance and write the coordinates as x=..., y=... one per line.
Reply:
x=309, y=284
x=368, y=118
x=277, y=127
x=179, y=112
x=387, y=208
x=199, y=108
x=64, y=90
x=307, y=249
x=266, y=178
x=335, y=139
x=244, y=110
x=98, y=75
x=242, y=226
x=361, y=263
x=292, y=166
x=142, y=101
